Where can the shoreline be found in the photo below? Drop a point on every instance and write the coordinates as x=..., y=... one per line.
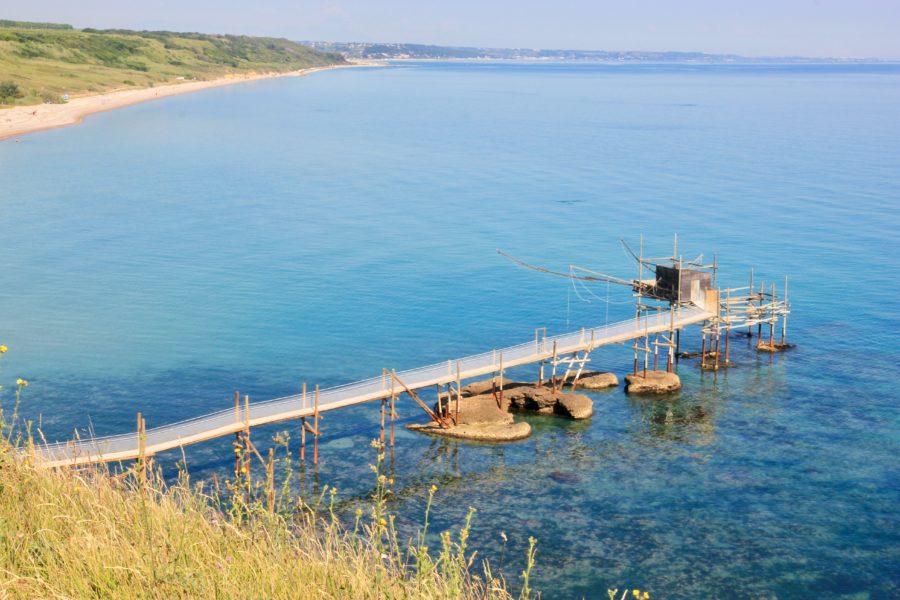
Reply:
x=23, y=120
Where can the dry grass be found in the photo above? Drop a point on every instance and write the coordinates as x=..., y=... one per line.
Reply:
x=93, y=533
x=86, y=534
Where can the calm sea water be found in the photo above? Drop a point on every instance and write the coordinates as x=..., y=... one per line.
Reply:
x=254, y=237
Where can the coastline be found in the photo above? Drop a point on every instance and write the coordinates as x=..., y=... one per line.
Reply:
x=22, y=120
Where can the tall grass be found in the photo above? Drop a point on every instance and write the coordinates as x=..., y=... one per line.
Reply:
x=94, y=533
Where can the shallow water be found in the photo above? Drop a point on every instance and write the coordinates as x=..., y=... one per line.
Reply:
x=254, y=237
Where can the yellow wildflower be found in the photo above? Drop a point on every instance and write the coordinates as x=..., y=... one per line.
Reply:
x=22, y=382
x=391, y=481
x=433, y=488
x=3, y=349
x=636, y=593
x=645, y=596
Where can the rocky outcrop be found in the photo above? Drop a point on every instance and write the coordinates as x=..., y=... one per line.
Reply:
x=655, y=382
x=575, y=406
x=484, y=413
x=476, y=388
x=597, y=381
x=483, y=432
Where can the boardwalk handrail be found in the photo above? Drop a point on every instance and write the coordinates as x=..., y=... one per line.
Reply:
x=222, y=422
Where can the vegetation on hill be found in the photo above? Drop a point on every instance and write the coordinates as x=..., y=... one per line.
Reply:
x=93, y=533
x=46, y=62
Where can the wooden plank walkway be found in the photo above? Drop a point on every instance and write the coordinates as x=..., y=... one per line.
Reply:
x=225, y=422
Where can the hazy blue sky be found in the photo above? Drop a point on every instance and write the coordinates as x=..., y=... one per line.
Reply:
x=858, y=28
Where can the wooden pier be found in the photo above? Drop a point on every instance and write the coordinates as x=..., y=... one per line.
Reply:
x=244, y=415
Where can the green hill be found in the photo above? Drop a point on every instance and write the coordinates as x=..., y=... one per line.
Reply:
x=41, y=62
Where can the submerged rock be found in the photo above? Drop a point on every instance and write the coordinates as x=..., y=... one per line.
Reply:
x=597, y=381
x=575, y=406
x=656, y=382
x=565, y=477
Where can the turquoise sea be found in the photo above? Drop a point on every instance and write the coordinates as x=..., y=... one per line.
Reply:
x=253, y=237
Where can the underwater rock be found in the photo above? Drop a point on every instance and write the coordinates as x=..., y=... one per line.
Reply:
x=597, y=381
x=575, y=406
x=655, y=382
x=565, y=477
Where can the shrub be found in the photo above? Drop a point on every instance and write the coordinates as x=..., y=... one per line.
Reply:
x=9, y=90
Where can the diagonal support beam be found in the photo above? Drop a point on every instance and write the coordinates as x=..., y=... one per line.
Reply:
x=434, y=416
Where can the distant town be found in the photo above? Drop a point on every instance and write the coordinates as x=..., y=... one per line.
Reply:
x=395, y=51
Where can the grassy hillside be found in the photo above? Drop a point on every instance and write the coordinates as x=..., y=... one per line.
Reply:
x=41, y=62
x=85, y=534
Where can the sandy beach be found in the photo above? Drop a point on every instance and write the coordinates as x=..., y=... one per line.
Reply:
x=21, y=120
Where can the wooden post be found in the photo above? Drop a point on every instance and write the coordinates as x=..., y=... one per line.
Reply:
x=302, y=439
x=382, y=420
x=246, y=448
x=553, y=378
x=142, y=448
x=727, y=359
x=270, y=475
x=703, y=351
x=646, y=351
x=656, y=354
x=458, y=393
x=669, y=357
x=316, y=435
x=393, y=413
x=501, y=380
x=762, y=294
x=772, y=322
x=717, y=351
x=749, y=301
x=785, y=315
x=237, y=407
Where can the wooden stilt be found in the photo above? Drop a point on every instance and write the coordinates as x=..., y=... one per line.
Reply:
x=458, y=394
x=501, y=380
x=382, y=420
x=656, y=354
x=703, y=352
x=316, y=425
x=646, y=354
x=270, y=480
x=393, y=412
x=142, y=450
x=303, y=427
x=553, y=377
x=246, y=445
x=727, y=358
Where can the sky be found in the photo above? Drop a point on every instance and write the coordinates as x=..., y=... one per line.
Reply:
x=815, y=28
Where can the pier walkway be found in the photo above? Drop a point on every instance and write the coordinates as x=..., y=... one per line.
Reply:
x=128, y=446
